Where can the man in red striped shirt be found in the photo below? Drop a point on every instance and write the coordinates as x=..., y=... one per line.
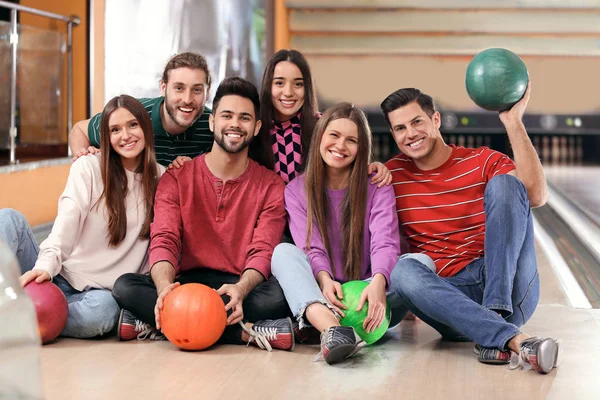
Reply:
x=466, y=214
x=216, y=222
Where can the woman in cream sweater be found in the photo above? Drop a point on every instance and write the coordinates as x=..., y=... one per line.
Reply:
x=103, y=222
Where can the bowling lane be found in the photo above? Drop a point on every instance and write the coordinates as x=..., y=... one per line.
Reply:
x=571, y=219
x=579, y=185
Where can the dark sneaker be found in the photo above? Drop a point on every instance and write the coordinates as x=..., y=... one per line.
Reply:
x=306, y=335
x=339, y=343
x=272, y=334
x=539, y=354
x=491, y=356
x=131, y=328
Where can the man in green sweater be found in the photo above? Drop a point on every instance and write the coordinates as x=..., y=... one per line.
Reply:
x=179, y=116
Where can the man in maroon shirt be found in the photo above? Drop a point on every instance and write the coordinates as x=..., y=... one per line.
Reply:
x=217, y=220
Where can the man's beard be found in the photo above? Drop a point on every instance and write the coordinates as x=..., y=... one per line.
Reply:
x=171, y=108
x=233, y=149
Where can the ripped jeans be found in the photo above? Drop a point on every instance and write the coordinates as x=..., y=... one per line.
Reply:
x=292, y=269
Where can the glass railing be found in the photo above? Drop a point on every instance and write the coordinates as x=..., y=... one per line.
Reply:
x=35, y=82
x=40, y=102
x=5, y=64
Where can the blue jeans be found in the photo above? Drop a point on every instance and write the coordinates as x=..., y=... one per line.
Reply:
x=16, y=233
x=92, y=312
x=291, y=267
x=505, y=281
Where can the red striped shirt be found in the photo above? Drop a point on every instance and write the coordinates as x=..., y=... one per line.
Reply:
x=440, y=211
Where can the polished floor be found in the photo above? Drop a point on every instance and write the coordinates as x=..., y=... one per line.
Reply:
x=579, y=185
x=411, y=362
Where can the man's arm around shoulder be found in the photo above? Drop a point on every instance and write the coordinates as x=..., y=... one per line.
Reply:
x=79, y=142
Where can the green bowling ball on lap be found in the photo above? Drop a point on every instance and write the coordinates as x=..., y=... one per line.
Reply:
x=496, y=79
x=352, y=291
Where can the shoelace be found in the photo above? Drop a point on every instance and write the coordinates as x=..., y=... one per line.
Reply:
x=260, y=336
x=325, y=337
x=519, y=361
x=147, y=332
x=140, y=326
x=328, y=337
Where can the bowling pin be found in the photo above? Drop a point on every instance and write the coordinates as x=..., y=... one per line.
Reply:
x=564, y=151
x=546, y=150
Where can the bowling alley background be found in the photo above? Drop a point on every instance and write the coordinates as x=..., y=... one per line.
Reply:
x=362, y=55
x=359, y=51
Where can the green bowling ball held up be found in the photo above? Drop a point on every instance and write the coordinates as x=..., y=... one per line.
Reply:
x=496, y=79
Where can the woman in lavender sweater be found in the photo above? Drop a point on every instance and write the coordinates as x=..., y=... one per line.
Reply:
x=345, y=229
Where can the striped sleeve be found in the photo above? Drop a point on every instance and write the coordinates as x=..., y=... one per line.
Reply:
x=147, y=102
x=94, y=130
x=494, y=163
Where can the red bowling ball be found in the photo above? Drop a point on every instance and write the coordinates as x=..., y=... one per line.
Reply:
x=51, y=308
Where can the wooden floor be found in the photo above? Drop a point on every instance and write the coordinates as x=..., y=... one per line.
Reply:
x=411, y=362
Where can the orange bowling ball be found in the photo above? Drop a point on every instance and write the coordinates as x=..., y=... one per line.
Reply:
x=193, y=316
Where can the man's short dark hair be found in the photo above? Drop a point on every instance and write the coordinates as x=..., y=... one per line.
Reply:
x=403, y=97
x=237, y=86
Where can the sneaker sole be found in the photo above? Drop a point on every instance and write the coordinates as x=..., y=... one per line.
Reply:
x=493, y=362
x=477, y=352
x=293, y=337
x=292, y=333
x=119, y=326
x=547, y=355
x=340, y=353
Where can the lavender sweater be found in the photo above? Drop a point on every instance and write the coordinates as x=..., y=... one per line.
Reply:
x=381, y=237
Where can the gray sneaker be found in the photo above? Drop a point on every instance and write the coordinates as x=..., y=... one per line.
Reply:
x=130, y=328
x=539, y=354
x=486, y=355
x=339, y=343
x=271, y=334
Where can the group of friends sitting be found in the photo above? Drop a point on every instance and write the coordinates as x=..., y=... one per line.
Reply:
x=275, y=205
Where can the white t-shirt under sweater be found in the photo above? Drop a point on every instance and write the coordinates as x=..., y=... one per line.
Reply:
x=77, y=248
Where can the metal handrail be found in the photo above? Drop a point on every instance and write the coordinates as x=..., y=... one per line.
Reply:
x=14, y=40
x=73, y=18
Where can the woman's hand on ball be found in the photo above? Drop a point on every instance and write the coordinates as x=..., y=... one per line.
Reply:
x=37, y=274
x=374, y=294
x=332, y=290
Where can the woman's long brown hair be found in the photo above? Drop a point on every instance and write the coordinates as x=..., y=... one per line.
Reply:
x=114, y=176
x=353, y=220
x=309, y=110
